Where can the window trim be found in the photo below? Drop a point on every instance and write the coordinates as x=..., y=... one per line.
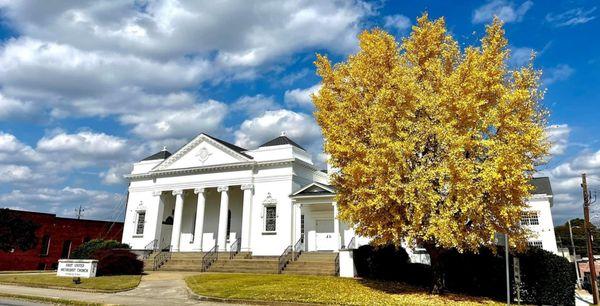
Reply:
x=136, y=222
x=45, y=252
x=269, y=202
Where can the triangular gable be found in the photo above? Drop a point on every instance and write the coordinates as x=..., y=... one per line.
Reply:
x=315, y=188
x=202, y=151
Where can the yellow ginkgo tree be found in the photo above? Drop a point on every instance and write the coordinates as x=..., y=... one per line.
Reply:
x=435, y=143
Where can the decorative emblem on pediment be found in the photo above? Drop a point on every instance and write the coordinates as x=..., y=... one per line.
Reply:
x=203, y=155
x=269, y=200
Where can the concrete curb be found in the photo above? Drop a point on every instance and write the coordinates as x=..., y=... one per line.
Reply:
x=68, y=288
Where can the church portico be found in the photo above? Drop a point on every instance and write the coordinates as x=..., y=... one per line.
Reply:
x=212, y=194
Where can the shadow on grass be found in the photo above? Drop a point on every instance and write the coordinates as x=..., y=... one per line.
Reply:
x=397, y=287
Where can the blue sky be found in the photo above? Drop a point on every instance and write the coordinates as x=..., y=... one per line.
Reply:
x=86, y=88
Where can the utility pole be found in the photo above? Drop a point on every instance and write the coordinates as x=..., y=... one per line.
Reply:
x=574, y=256
x=79, y=212
x=507, y=269
x=590, y=240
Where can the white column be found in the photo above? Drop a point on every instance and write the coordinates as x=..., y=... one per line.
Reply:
x=222, y=233
x=177, y=220
x=159, y=218
x=199, y=227
x=246, y=215
x=336, y=226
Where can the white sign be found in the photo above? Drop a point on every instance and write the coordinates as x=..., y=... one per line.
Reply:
x=85, y=268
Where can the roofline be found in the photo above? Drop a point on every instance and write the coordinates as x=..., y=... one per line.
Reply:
x=311, y=184
x=190, y=170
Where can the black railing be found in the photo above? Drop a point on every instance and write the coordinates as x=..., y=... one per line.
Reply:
x=160, y=258
x=234, y=248
x=337, y=264
x=150, y=248
x=352, y=244
x=285, y=257
x=209, y=258
x=298, y=248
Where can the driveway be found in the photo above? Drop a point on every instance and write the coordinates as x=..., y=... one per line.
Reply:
x=156, y=288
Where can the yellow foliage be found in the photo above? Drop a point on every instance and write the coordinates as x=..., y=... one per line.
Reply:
x=435, y=144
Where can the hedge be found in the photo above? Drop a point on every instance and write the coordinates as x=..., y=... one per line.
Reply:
x=86, y=249
x=546, y=279
x=117, y=262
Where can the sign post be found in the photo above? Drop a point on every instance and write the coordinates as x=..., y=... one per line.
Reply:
x=85, y=268
x=517, y=272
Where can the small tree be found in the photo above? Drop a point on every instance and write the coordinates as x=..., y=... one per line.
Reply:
x=16, y=232
x=435, y=144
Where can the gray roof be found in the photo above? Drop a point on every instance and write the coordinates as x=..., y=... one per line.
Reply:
x=231, y=146
x=541, y=185
x=164, y=154
x=281, y=140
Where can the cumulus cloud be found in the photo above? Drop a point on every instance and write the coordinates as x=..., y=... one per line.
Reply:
x=114, y=174
x=558, y=135
x=254, y=105
x=558, y=73
x=13, y=108
x=506, y=11
x=300, y=127
x=399, y=23
x=183, y=121
x=572, y=17
x=301, y=96
x=98, y=204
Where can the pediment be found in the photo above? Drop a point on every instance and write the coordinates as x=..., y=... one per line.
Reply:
x=315, y=189
x=200, y=152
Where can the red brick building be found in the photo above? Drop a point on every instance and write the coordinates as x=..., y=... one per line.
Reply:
x=57, y=238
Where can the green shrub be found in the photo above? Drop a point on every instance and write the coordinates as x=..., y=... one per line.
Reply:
x=380, y=262
x=85, y=250
x=547, y=279
x=117, y=262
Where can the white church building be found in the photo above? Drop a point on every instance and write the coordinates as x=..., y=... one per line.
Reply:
x=213, y=194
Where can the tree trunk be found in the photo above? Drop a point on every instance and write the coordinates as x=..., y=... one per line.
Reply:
x=438, y=285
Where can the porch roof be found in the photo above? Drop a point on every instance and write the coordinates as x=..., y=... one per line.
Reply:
x=314, y=189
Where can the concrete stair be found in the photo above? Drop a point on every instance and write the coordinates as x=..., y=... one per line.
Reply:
x=313, y=263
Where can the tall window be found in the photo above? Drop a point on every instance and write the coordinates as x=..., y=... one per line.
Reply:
x=270, y=218
x=270, y=214
x=45, y=245
x=302, y=228
x=535, y=243
x=66, y=249
x=141, y=219
x=530, y=218
x=228, y=223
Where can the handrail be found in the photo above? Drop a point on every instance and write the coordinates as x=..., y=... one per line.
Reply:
x=337, y=264
x=298, y=248
x=160, y=258
x=351, y=244
x=150, y=248
x=284, y=258
x=209, y=258
x=234, y=249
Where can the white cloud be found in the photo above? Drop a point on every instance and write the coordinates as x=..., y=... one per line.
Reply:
x=558, y=135
x=400, y=23
x=14, y=173
x=520, y=56
x=177, y=121
x=91, y=145
x=114, y=174
x=571, y=17
x=254, y=105
x=299, y=127
x=98, y=204
x=558, y=73
x=13, y=108
x=506, y=11
x=301, y=97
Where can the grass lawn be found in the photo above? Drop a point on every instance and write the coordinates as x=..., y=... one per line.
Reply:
x=320, y=289
x=101, y=283
x=53, y=301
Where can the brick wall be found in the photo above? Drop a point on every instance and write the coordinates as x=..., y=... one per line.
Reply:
x=59, y=230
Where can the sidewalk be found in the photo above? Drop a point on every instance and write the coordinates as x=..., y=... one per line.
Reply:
x=583, y=298
x=156, y=288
